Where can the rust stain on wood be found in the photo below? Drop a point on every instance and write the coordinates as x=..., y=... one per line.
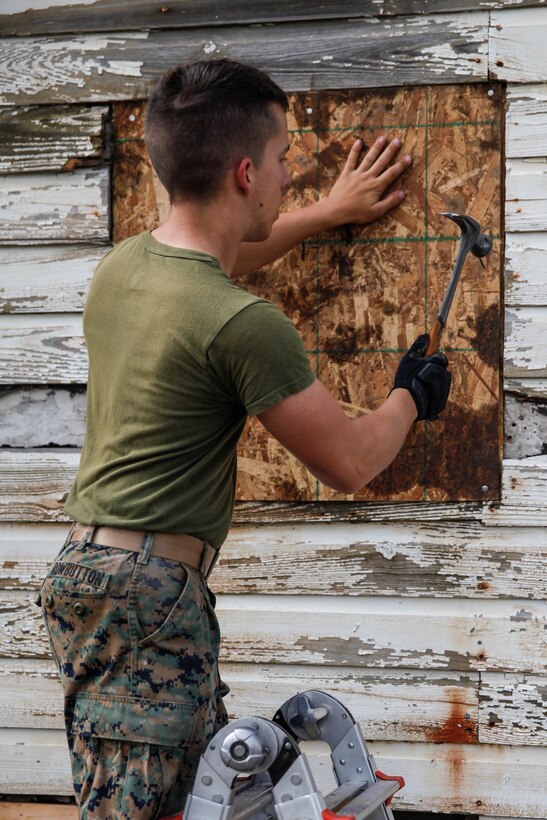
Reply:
x=359, y=296
x=459, y=726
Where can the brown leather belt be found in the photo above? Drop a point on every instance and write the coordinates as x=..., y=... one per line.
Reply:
x=174, y=546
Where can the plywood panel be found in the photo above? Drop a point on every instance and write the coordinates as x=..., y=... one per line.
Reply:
x=359, y=297
x=328, y=54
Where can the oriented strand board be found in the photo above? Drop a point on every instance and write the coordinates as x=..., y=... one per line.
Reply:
x=359, y=296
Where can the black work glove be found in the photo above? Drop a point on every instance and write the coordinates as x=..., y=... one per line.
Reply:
x=427, y=378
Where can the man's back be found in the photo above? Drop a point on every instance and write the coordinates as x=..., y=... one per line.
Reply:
x=172, y=377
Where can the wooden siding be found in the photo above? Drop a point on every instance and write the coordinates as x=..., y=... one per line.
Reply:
x=55, y=207
x=44, y=138
x=144, y=14
x=304, y=588
x=410, y=560
x=517, y=45
x=46, y=278
x=445, y=778
x=42, y=351
x=459, y=636
x=327, y=54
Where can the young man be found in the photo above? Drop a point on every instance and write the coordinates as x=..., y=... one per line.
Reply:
x=179, y=356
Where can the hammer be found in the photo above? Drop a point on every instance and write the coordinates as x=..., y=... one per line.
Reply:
x=472, y=239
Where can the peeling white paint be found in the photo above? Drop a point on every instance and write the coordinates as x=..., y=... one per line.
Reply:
x=20, y=6
x=209, y=47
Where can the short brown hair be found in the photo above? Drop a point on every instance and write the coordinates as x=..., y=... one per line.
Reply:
x=202, y=117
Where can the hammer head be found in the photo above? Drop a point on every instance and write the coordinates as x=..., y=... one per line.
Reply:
x=472, y=237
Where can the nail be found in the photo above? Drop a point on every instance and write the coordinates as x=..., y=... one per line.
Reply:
x=401, y=194
x=397, y=141
x=408, y=157
x=381, y=140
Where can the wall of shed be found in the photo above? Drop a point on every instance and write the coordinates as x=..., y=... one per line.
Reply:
x=428, y=622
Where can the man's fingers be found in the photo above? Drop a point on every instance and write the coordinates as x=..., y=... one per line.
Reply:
x=354, y=154
x=384, y=155
x=394, y=171
x=372, y=154
x=387, y=203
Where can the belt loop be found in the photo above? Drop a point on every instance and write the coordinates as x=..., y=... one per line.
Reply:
x=207, y=562
x=88, y=535
x=69, y=534
x=146, y=548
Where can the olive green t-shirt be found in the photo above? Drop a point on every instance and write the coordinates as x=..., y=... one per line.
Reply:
x=179, y=355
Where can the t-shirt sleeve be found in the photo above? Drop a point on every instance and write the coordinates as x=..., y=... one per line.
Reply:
x=259, y=358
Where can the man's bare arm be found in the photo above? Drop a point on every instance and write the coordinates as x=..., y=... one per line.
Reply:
x=356, y=197
x=342, y=453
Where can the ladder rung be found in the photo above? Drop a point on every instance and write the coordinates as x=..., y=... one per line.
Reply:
x=251, y=800
x=371, y=798
x=337, y=798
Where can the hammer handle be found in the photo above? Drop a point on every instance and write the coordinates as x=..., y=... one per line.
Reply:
x=435, y=338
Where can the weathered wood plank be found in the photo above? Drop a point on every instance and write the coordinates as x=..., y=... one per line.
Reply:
x=71, y=16
x=327, y=54
x=526, y=195
x=411, y=560
x=32, y=485
x=37, y=417
x=525, y=351
x=46, y=279
x=527, y=388
x=294, y=513
x=56, y=416
x=460, y=635
x=42, y=498
x=38, y=811
x=525, y=264
x=52, y=138
x=387, y=705
x=517, y=45
x=55, y=207
x=42, y=350
x=525, y=427
x=524, y=495
x=513, y=710
x=455, y=636
x=442, y=778
x=526, y=121
x=390, y=705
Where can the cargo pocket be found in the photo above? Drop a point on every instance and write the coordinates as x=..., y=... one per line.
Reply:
x=137, y=720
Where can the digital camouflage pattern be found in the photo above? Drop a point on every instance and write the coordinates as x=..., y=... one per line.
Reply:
x=136, y=641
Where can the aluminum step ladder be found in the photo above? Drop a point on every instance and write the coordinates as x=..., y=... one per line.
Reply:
x=254, y=768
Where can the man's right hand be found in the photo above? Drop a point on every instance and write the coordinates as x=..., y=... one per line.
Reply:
x=427, y=379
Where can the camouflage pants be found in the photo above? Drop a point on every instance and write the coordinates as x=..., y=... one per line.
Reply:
x=136, y=641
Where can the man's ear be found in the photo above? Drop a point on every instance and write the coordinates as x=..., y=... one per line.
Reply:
x=244, y=174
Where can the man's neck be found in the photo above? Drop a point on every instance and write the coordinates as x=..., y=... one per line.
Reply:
x=210, y=230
